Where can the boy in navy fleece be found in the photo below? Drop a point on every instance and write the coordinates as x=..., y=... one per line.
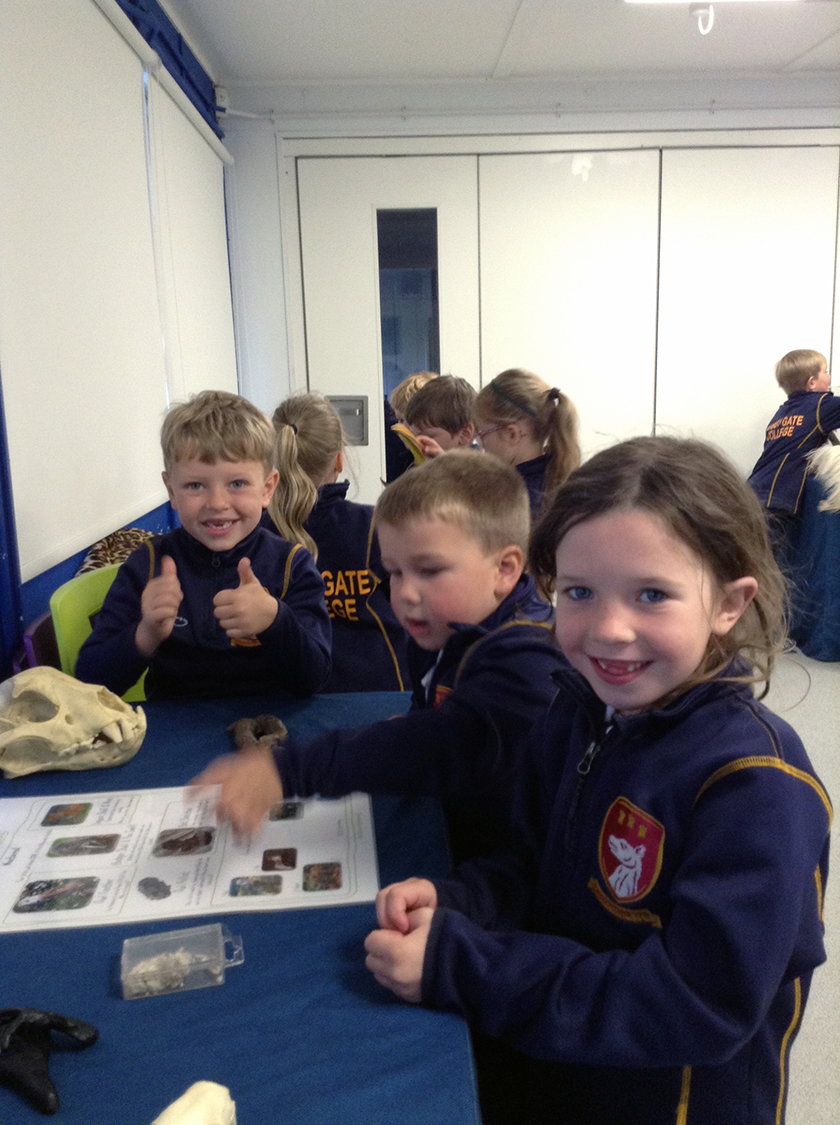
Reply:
x=452, y=533
x=802, y=423
x=219, y=606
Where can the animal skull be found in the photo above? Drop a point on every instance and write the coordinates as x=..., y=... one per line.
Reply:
x=204, y=1103
x=51, y=721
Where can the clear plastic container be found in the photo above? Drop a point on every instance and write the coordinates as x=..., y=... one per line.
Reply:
x=178, y=960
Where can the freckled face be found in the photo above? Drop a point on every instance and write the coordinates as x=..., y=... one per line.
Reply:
x=635, y=607
x=440, y=575
x=219, y=504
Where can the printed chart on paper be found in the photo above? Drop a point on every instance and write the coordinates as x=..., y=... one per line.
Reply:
x=146, y=854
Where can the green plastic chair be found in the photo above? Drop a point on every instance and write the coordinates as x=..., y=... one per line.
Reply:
x=73, y=607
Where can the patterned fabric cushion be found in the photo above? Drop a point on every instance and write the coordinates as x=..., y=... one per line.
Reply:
x=114, y=548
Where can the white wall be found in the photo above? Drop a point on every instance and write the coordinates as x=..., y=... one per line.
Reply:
x=674, y=286
x=114, y=281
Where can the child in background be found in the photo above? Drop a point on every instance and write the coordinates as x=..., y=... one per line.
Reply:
x=368, y=643
x=452, y=534
x=645, y=956
x=802, y=423
x=440, y=415
x=398, y=456
x=403, y=393
x=531, y=426
x=219, y=606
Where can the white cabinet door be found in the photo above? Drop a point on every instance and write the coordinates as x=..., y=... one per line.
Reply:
x=568, y=280
x=339, y=199
x=747, y=274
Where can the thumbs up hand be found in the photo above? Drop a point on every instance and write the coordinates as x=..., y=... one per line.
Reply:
x=246, y=610
x=158, y=607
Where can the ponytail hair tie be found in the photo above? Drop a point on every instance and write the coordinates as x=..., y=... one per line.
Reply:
x=294, y=427
x=523, y=406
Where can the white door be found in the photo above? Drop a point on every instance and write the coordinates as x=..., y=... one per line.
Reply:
x=747, y=274
x=568, y=280
x=339, y=200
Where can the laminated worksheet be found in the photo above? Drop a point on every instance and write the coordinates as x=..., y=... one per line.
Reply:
x=146, y=854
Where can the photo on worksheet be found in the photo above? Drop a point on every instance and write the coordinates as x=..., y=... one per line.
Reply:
x=55, y=894
x=286, y=810
x=279, y=859
x=59, y=815
x=244, y=885
x=322, y=877
x=184, y=841
x=82, y=845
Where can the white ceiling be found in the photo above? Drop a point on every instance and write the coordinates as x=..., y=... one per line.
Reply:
x=274, y=43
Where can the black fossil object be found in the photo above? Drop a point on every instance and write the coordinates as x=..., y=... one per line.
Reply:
x=25, y=1048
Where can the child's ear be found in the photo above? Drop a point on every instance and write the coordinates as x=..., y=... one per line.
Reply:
x=269, y=487
x=734, y=599
x=339, y=461
x=465, y=435
x=510, y=563
x=165, y=477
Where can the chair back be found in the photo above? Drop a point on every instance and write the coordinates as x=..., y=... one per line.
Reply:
x=74, y=607
x=39, y=643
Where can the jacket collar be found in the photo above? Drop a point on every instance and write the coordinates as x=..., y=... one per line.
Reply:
x=522, y=603
x=576, y=685
x=332, y=493
x=202, y=556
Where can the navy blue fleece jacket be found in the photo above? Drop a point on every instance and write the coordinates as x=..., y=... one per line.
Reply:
x=291, y=657
x=459, y=739
x=650, y=945
x=802, y=423
x=368, y=643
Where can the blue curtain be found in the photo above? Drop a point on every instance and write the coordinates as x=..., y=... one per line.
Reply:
x=162, y=35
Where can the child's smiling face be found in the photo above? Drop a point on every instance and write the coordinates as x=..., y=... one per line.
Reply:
x=219, y=504
x=636, y=607
x=439, y=575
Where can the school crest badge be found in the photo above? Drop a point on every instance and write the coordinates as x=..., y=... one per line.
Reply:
x=630, y=851
x=441, y=693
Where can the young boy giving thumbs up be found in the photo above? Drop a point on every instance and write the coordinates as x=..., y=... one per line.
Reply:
x=220, y=606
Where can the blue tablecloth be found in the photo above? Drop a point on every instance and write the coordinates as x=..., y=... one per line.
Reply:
x=300, y=1033
x=815, y=592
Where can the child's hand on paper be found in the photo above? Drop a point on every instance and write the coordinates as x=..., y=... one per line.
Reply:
x=250, y=786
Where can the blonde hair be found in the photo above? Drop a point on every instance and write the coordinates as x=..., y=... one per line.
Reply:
x=309, y=437
x=705, y=502
x=482, y=496
x=405, y=391
x=794, y=370
x=217, y=426
x=521, y=396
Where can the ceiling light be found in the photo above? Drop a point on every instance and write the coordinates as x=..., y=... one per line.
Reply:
x=716, y=1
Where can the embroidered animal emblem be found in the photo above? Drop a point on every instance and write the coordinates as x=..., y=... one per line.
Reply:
x=625, y=878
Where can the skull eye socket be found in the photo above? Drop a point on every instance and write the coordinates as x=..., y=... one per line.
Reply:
x=38, y=708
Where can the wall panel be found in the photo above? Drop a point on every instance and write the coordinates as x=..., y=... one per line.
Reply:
x=80, y=332
x=338, y=204
x=747, y=274
x=568, y=280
